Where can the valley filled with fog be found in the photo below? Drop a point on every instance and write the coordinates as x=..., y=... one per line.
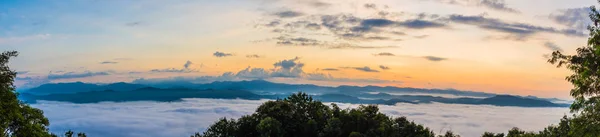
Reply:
x=183, y=118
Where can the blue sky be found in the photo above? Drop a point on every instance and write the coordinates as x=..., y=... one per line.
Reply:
x=484, y=45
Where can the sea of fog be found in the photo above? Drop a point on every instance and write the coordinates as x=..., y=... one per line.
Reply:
x=172, y=119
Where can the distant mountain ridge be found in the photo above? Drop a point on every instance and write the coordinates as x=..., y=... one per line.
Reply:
x=79, y=92
x=252, y=85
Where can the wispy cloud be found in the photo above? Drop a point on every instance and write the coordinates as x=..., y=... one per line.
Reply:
x=186, y=69
x=221, y=54
x=187, y=64
x=288, y=14
x=253, y=56
x=370, y=6
x=109, y=62
x=520, y=30
x=364, y=69
x=552, y=46
x=72, y=75
x=384, y=54
x=132, y=24
x=351, y=46
x=384, y=67
x=287, y=68
x=22, y=72
x=330, y=69
x=576, y=18
x=499, y=5
x=434, y=58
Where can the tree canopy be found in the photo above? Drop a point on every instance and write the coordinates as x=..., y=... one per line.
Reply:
x=585, y=78
x=300, y=116
x=16, y=117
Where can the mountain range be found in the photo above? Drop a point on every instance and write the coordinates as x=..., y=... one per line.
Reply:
x=79, y=92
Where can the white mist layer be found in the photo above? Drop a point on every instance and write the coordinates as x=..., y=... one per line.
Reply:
x=172, y=119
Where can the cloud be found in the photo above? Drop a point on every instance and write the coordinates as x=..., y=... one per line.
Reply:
x=364, y=69
x=167, y=119
x=288, y=68
x=317, y=3
x=109, y=62
x=421, y=24
x=187, y=64
x=552, y=46
x=351, y=46
x=497, y=5
x=132, y=24
x=384, y=54
x=186, y=69
x=227, y=76
x=348, y=28
x=576, y=18
x=173, y=70
x=434, y=58
x=384, y=67
x=421, y=36
x=330, y=69
x=302, y=41
x=313, y=26
x=221, y=54
x=72, y=75
x=299, y=41
x=24, y=78
x=22, y=72
x=370, y=6
x=368, y=25
x=253, y=73
x=253, y=56
x=288, y=14
x=273, y=23
x=329, y=77
x=521, y=30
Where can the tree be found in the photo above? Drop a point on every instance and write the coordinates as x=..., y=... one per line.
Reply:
x=300, y=116
x=270, y=127
x=585, y=66
x=490, y=134
x=449, y=134
x=16, y=117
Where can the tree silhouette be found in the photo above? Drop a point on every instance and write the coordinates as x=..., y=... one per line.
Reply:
x=299, y=116
x=585, y=66
x=16, y=117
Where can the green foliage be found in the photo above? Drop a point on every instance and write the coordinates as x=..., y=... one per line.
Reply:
x=16, y=117
x=449, y=134
x=585, y=66
x=299, y=116
x=71, y=133
x=269, y=127
x=490, y=134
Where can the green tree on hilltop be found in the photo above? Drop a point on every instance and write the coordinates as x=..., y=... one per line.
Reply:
x=585, y=66
x=16, y=117
x=300, y=116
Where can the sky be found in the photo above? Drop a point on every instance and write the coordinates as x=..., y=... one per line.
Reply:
x=496, y=46
x=183, y=118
